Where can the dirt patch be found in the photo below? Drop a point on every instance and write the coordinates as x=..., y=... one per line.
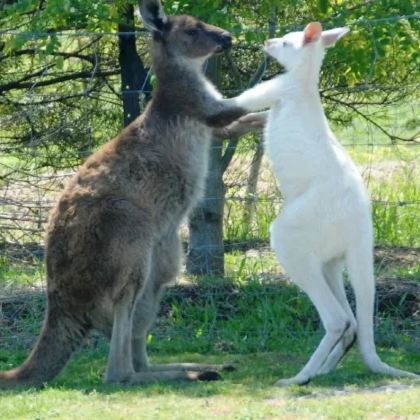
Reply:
x=400, y=256
x=400, y=296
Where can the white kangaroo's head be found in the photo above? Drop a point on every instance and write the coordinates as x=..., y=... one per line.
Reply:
x=293, y=49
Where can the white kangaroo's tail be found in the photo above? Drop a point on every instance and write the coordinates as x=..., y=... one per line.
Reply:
x=360, y=269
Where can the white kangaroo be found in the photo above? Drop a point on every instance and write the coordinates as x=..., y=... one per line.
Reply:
x=326, y=218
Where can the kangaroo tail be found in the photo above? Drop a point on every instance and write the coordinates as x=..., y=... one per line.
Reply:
x=360, y=269
x=61, y=334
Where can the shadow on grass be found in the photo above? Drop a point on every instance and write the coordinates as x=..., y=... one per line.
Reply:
x=254, y=376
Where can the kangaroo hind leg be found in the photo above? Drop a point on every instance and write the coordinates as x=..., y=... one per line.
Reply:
x=145, y=314
x=120, y=361
x=129, y=253
x=166, y=261
x=333, y=272
x=120, y=365
x=305, y=269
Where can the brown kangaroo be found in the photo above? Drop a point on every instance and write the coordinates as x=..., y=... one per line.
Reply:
x=112, y=240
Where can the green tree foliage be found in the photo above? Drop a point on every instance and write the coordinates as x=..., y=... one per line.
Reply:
x=59, y=70
x=60, y=75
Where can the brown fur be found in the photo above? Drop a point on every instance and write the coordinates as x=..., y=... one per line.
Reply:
x=112, y=239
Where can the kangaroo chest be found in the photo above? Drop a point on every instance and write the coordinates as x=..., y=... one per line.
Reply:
x=297, y=146
x=187, y=162
x=195, y=156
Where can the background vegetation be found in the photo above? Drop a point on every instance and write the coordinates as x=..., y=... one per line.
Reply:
x=73, y=72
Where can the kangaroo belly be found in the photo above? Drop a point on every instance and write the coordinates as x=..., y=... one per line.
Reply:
x=325, y=219
x=186, y=160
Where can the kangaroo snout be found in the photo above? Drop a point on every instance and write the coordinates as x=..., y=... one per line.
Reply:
x=271, y=43
x=224, y=41
x=267, y=44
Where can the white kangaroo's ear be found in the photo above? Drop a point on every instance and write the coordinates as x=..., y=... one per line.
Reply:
x=329, y=38
x=312, y=32
x=152, y=14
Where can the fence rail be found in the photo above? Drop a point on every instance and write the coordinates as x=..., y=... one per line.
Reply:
x=56, y=108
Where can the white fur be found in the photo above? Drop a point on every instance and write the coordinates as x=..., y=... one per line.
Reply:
x=326, y=218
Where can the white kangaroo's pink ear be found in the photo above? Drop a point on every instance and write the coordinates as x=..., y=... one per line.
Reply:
x=312, y=32
x=329, y=38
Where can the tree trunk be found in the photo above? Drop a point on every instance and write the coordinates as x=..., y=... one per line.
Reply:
x=133, y=73
x=251, y=188
x=206, y=251
x=205, y=247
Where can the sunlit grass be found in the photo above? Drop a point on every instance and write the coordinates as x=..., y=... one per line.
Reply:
x=14, y=274
x=351, y=392
x=228, y=400
x=396, y=209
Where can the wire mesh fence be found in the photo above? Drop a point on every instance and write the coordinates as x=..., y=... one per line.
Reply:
x=58, y=106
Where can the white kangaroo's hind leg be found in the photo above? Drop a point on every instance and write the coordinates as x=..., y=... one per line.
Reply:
x=360, y=268
x=333, y=271
x=306, y=271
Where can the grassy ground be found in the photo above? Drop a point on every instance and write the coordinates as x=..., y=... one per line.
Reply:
x=247, y=393
x=266, y=330
x=253, y=318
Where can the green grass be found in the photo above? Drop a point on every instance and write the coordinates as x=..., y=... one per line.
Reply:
x=266, y=331
x=396, y=209
x=18, y=274
x=266, y=209
x=372, y=153
x=407, y=272
x=210, y=402
x=350, y=392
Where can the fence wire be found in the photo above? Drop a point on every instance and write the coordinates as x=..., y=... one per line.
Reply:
x=56, y=109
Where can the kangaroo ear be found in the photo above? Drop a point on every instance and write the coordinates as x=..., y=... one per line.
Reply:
x=329, y=38
x=312, y=32
x=152, y=14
